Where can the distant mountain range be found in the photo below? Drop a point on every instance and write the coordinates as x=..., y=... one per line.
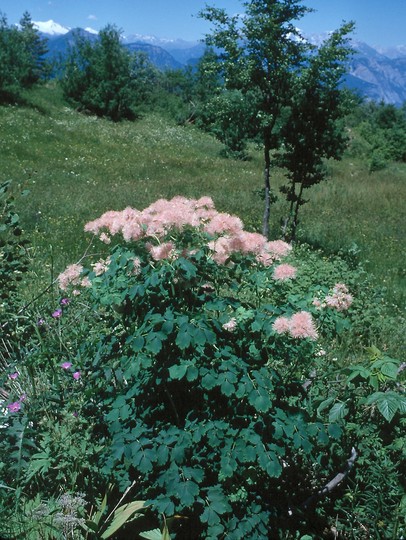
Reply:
x=378, y=75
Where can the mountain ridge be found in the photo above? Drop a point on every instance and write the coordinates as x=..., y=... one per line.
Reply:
x=376, y=74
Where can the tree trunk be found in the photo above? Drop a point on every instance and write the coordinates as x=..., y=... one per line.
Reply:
x=299, y=202
x=267, y=186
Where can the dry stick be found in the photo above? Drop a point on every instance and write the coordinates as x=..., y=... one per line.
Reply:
x=336, y=481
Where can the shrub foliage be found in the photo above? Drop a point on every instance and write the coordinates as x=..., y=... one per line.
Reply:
x=191, y=366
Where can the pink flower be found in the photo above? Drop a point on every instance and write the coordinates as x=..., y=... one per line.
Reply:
x=101, y=266
x=66, y=365
x=163, y=251
x=76, y=375
x=70, y=276
x=14, y=407
x=266, y=259
x=105, y=238
x=278, y=248
x=85, y=282
x=302, y=326
x=136, y=261
x=13, y=376
x=284, y=271
x=221, y=248
x=65, y=301
x=340, y=300
x=57, y=314
x=223, y=223
x=231, y=325
x=281, y=325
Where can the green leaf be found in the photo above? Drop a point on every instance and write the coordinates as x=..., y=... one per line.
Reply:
x=187, y=491
x=388, y=403
x=324, y=404
x=209, y=516
x=192, y=373
x=227, y=388
x=390, y=370
x=228, y=466
x=334, y=431
x=337, y=412
x=154, y=344
x=184, y=337
x=260, y=401
x=218, y=500
x=121, y=515
x=178, y=372
x=137, y=344
x=154, y=534
x=208, y=381
x=388, y=407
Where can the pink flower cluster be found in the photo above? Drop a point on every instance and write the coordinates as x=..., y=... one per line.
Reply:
x=284, y=272
x=165, y=215
x=231, y=325
x=340, y=299
x=72, y=276
x=101, y=266
x=300, y=325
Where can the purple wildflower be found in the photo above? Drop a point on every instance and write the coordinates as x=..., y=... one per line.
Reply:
x=57, y=314
x=76, y=375
x=65, y=301
x=14, y=375
x=66, y=365
x=14, y=407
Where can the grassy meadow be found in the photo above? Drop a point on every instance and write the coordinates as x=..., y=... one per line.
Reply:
x=77, y=167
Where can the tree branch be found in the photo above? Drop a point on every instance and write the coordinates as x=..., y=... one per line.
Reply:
x=336, y=481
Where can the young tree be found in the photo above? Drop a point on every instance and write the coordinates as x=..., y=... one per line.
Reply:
x=104, y=78
x=34, y=48
x=313, y=130
x=263, y=56
x=21, y=57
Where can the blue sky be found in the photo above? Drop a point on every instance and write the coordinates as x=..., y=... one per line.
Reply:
x=379, y=22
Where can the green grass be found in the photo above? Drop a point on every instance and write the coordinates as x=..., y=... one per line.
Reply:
x=77, y=167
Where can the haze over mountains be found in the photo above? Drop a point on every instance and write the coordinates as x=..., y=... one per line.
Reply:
x=378, y=75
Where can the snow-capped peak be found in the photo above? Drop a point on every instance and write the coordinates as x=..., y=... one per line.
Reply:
x=50, y=27
x=91, y=30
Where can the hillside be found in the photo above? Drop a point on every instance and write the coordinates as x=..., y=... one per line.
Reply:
x=77, y=167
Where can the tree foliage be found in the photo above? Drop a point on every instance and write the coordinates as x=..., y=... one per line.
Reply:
x=314, y=128
x=379, y=133
x=105, y=79
x=263, y=56
x=22, y=61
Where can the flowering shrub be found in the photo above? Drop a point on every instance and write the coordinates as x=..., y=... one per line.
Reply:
x=187, y=366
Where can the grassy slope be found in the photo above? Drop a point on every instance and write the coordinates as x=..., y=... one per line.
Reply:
x=77, y=167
